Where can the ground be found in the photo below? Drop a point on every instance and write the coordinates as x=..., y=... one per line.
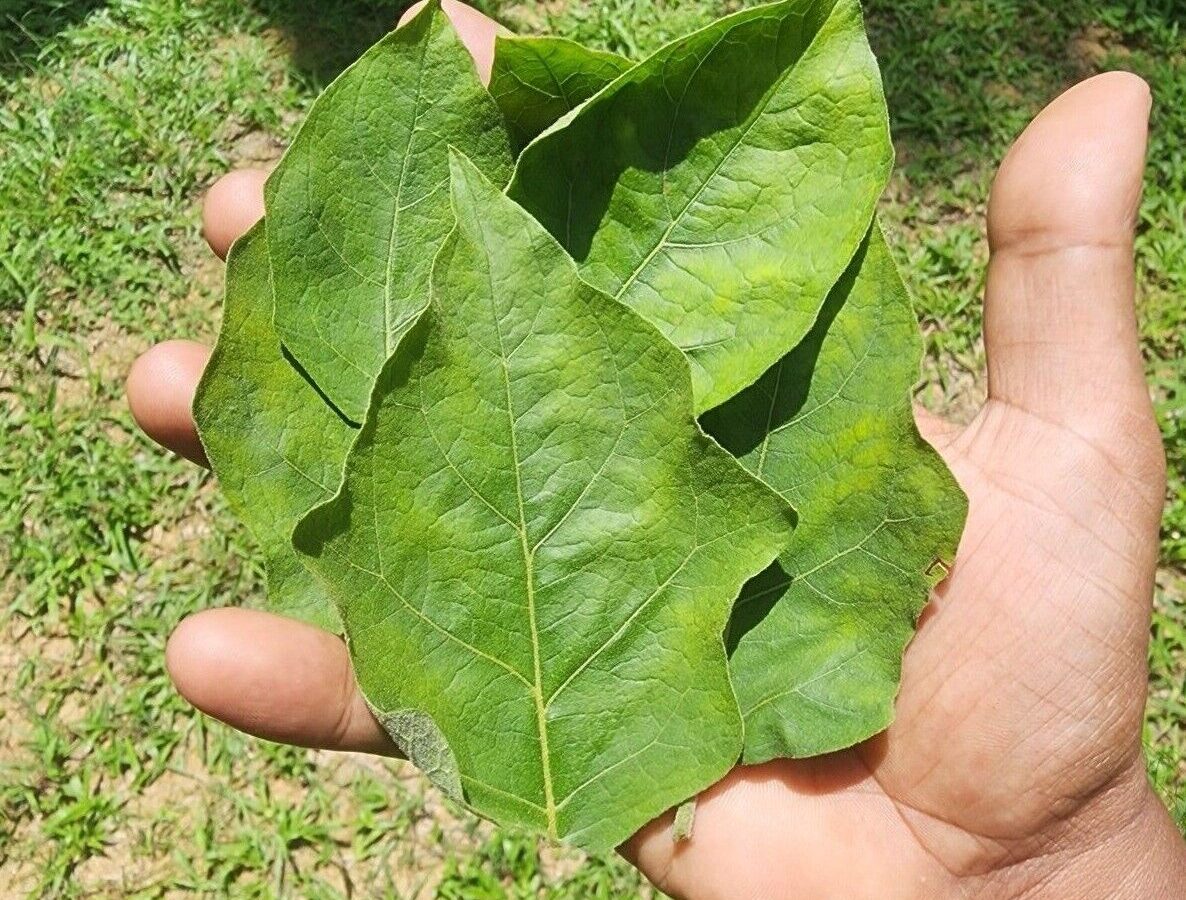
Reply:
x=115, y=116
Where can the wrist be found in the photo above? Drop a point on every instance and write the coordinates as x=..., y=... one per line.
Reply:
x=1124, y=846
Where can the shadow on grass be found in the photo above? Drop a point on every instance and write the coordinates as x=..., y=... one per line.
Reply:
x=26, y=26
x=965, y=73
x=963, y=78
x=327, y=37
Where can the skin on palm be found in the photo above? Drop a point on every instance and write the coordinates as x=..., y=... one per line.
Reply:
x=1014, y=766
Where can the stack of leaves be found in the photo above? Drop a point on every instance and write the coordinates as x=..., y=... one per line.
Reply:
x=581, y=406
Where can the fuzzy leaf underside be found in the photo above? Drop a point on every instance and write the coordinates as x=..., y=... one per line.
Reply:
x=276, y=446
x=817, y=641
x=359, y=204
x=538, y=80
x=720, y=187
x=536, y=547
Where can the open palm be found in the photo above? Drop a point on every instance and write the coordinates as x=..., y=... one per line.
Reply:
x=1014, y=765
x=1016, y=744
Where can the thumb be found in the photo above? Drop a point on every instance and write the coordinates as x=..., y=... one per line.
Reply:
x=1060, y=328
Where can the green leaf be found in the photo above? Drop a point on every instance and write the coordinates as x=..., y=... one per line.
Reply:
x=722, y=186
x=817, y=641
x=277, y=447
x=535, y=548
x=537, y=80
x=359, y=205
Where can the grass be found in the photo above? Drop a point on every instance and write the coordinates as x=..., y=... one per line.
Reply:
x=115, y=115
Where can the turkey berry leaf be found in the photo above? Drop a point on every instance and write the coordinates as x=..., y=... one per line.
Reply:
x=535, y=546
x=816, y=643
x=347, y=250
x=720, y=187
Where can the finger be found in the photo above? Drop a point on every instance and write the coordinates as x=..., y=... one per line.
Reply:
x=232, y=206
x=1060, y=330
x=477, y=31
x=772, y=831
x=275, y=678
x=161, y=384
x=160, y=389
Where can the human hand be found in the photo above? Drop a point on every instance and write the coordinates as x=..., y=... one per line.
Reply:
x=1014, y=766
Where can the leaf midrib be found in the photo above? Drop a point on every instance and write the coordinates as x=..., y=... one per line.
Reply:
x=537, y=691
